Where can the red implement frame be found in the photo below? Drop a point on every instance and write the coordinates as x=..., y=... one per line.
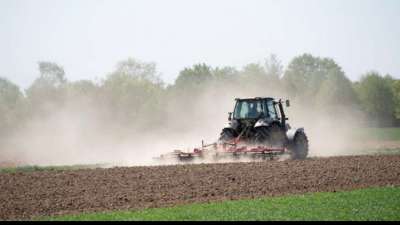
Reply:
x=234, y=149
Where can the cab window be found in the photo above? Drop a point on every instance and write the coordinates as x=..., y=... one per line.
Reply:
x=248, y=109
x=271, y=110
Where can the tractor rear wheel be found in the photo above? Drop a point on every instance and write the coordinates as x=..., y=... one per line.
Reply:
x=299, y=147
x=261, y=137
x=272, y=135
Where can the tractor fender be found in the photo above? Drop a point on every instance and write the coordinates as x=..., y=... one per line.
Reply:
x=292, y=133
x=263, y=123
x=234, y=124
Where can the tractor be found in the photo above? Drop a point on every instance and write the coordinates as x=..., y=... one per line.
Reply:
x=257, y=128
x=263, y=122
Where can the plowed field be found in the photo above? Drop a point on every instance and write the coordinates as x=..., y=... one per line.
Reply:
x=35, y=194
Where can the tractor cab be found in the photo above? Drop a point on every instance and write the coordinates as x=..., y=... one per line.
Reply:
x=255, y=115
x=254, y=109
x=251, y=110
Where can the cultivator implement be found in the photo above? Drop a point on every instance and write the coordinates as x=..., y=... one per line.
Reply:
x=219, y=151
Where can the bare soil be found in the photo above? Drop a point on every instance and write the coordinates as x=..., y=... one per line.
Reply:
x=36, y=194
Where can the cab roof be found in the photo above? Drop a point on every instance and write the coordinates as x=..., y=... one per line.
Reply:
x=256, y=98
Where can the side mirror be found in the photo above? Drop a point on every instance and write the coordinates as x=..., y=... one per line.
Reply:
x=230, y=116
x=287, y=103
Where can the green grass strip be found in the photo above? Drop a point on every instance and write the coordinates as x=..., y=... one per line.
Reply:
x=365, y=204
x=378, y=134
x=28, y=169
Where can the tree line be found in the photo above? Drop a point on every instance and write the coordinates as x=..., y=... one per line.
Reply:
x=135, y=94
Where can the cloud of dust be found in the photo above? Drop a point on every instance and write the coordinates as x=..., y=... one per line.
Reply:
x=79, y=133
x=330, y=132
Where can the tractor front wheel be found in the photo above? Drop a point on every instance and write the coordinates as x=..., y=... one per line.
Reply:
x=227, y=135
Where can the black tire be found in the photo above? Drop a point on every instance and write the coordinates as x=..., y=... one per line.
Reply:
x=261, y=137
x=272, y=135
x=299, y=147
x=227, y=135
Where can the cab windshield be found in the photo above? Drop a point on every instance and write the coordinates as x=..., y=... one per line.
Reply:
x=248, y=109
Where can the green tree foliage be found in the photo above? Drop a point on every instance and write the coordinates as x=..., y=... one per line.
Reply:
x=396, y=93
x=10, y=105
x=305, y=74
x=137, y=70
x=48, y=90
x=273, y=68
x=198, y=75
x=191, y=83
x=253, y=79
x=376, y=97
x=82, y=93
x=10, y=94
x=81, y=88
x=134, y=92
x=336, y=90
x=395, y=87
x=318, y=82
x=254, y=71
x=51, y=74
x=252, y=75
x=225, y=74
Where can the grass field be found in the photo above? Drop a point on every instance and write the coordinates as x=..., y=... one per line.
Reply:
x=378, y=134
x=366, y=204
x=27, y=169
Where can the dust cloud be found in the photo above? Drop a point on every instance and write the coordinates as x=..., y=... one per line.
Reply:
x=81, y=133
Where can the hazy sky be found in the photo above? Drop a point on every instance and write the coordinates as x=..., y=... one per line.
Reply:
x=88, y=37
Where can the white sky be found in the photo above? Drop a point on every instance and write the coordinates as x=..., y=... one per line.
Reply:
x=88, y=37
